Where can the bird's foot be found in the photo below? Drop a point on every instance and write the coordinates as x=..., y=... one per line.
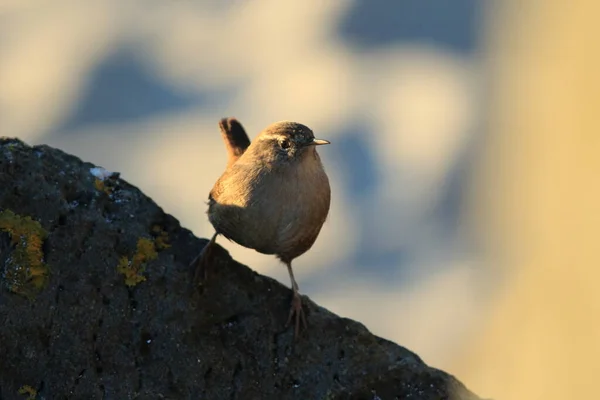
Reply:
x=200, y=266
x=296, y=313
x=201, y=263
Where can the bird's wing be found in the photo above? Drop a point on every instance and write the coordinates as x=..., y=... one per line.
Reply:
x=235, y=138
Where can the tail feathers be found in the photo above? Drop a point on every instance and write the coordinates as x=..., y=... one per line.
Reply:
x=235, y=138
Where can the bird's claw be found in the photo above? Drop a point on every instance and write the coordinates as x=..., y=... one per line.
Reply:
x=201, y=262
x=297, y=313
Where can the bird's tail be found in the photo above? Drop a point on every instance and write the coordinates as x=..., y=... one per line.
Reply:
x=235, y=138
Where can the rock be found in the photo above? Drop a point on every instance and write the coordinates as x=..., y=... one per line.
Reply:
x=108, y=312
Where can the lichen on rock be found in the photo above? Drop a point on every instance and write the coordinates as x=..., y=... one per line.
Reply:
x=161, y=238
x=29, y=391
x=25, y=272
x=134, y=267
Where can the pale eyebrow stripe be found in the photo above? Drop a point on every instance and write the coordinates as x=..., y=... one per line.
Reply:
x=271, y=136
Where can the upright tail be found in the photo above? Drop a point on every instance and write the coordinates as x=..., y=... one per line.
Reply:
x=235, y=138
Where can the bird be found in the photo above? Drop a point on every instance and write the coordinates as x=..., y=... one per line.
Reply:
x=273, y=197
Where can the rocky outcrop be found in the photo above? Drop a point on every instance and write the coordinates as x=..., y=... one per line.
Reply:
x=95, y=303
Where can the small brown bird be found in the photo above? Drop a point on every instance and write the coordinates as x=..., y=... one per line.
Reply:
x=273, y=197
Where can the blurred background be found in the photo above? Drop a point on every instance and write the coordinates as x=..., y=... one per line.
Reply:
x=463, y=168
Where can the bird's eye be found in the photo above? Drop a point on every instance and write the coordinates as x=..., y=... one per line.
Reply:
x=284, y=143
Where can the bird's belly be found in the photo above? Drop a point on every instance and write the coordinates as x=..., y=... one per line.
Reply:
x=288, y=232
x=246, y=226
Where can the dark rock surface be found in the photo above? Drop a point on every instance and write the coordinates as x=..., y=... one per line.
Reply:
x=86, y=334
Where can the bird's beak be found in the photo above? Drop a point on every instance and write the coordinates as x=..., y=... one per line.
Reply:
x=318, y=142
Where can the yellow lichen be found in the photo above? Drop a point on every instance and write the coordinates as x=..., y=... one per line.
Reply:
x=29, y=391
x=134, y=267
x=100, y=186
x=25, y=272
x=161, y=238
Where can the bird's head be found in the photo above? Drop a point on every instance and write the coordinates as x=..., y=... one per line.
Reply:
x=287, y=141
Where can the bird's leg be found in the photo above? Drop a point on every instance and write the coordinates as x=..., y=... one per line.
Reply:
x=296, y=306
x=202, y=261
